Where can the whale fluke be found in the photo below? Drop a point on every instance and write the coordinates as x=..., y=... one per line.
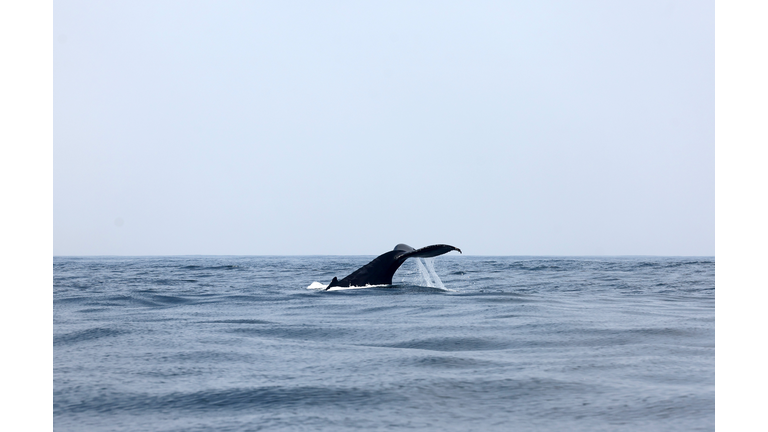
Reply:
x=382, y=268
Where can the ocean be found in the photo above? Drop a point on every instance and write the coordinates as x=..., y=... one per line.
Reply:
x=241, y=343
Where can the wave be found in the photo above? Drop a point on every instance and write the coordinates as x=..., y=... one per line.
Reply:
x=270, y=397
x=450, y=344
x=86, y=335
x=203, y=267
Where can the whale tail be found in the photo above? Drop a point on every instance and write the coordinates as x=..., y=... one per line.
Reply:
x=380, y=270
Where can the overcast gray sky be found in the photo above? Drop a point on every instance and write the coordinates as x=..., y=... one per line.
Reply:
x=504, y=128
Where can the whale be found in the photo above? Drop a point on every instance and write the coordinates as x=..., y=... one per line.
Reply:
x=383, y=267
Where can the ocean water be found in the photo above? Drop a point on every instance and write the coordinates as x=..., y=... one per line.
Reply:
x=495, y=343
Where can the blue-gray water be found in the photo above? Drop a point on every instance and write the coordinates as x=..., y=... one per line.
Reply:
x=514, y=343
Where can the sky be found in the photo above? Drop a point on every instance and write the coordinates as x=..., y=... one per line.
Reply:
x=344, y=128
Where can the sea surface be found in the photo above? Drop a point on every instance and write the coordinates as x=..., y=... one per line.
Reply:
x=231, y=343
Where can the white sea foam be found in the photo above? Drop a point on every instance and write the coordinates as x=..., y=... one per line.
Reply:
x=320, y=286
